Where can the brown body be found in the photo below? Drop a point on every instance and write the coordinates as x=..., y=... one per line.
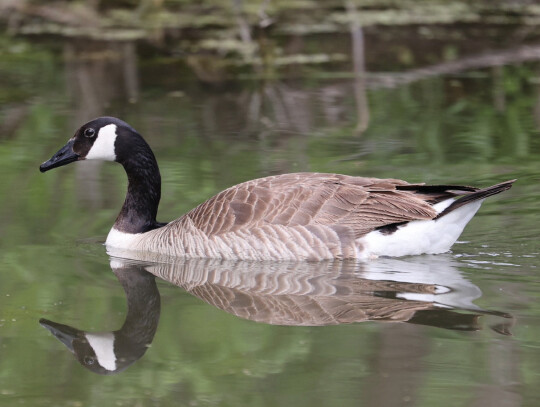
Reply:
x=303, y=216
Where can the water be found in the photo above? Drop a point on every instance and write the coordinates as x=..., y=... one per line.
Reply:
x=457, y=329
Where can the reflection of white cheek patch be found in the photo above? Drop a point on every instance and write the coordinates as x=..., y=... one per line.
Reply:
x=103, y=346
x=103, y=148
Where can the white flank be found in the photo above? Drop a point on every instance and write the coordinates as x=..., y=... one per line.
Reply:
x=103, y=148
x=103, y=346
x=422, y=236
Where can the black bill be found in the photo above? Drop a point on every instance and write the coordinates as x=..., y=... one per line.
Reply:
x=63, y=333
x=64, y=156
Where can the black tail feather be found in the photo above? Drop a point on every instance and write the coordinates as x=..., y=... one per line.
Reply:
x=477, y=195
x=427, y=189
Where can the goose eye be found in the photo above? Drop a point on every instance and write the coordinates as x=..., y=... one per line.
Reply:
x=89, y=132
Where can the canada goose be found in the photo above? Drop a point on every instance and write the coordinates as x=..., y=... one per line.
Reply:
x=302, y=216
x=112, y=352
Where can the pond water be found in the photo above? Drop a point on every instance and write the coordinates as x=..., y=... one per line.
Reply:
x=458, y=329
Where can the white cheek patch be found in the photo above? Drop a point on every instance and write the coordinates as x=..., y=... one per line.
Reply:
x=103, y=346
x=103, y=148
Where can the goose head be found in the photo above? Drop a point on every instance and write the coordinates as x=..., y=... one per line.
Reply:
x=104, y=138
x=111, y=139
x=95, y=351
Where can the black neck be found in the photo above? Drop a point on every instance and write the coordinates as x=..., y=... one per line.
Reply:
x=143, y=302
x=138, y=214
x=143, y=305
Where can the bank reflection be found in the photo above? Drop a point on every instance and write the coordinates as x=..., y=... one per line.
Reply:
x=428, y=290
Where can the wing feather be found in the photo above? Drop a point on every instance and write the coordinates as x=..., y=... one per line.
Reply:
x=344, y=203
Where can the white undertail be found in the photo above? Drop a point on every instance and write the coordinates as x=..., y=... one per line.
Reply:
x=422, y=236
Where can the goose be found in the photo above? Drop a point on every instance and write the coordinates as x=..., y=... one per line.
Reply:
x=298, y=216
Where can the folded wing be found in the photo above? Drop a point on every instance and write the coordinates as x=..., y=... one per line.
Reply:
x=357, y=204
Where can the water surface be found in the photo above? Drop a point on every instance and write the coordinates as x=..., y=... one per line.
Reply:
x=459, y=329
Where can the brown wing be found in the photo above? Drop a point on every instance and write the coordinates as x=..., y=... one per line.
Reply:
x=356, y=203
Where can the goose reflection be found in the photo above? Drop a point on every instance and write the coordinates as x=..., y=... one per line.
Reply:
x=428, y=291
x=112, y=352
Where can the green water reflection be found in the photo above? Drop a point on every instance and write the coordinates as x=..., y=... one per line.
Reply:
x=476, y=125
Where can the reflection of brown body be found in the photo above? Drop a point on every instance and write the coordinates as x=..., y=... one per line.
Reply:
x=294, y=294
x=316, y=294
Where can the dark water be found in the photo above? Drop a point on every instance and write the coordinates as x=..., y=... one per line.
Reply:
x=459, y=329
